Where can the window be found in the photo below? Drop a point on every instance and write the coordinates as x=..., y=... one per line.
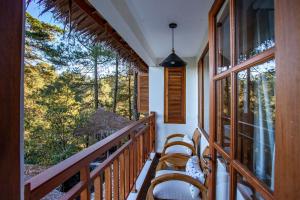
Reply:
x=222, y=179
x=256, y=120
x=242, y=41
x=223, y=39
x=204, y=92
x=223, y=113
x=254, y=26
x=143, y=93
x=174, y=95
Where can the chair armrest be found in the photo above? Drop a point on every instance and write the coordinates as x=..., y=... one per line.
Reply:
x=179, y=143
x=176, y=160
x=173, y=136
x=178, y=177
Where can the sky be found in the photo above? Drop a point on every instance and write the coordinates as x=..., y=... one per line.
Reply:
x=35, y=10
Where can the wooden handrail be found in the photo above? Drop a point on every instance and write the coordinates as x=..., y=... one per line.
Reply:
x=129, y=138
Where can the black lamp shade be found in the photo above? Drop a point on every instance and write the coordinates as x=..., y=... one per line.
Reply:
x=173, y=61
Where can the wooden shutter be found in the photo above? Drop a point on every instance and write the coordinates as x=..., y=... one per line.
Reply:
x=143, y=93
x=174, y=95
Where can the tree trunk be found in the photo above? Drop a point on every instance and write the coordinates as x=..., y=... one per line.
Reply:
x=96, y=85
x=129, y=95
x=136, y=115
x=116, y=84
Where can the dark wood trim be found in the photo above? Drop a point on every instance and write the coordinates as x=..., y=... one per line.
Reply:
x=287, y=162
x=11, y=98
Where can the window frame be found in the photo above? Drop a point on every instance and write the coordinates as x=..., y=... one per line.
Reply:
x=201, y=92
x=235, y=165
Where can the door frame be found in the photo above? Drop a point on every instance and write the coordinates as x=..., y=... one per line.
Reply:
x=12, y=24
x=234, y=165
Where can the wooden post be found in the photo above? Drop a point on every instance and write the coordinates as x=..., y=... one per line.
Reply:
x=85, y=177
x=287, y=162
x=152, y=130
x=108, y=191
x=11, y=98
x=98, y=188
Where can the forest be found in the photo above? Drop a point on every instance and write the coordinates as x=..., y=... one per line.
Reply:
x=67, y=78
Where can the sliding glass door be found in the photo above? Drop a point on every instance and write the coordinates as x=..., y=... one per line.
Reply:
x=242, y=121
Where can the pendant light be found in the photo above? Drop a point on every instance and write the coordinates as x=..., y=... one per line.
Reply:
x=173, y=60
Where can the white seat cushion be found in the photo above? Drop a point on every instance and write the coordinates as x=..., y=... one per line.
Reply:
x=175, y=190
x=177, y=149
x=193, y=169
x=174, y=139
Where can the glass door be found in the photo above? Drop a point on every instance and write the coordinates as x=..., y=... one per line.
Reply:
x=243, y=76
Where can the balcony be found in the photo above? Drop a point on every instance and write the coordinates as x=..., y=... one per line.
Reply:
x=116, y=177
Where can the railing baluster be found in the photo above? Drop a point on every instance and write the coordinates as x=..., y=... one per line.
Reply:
x=141, y=150
x=127, y=172
x=131, y=161
x=122, y=177
x=98, y=188
x=107, y=174
x=116, y=179
x=135, y=160
x=127, y=163
x=85, y=177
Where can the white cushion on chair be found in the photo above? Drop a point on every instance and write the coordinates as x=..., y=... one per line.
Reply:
x=177, y=149
x=175, y=190
x=193, y=169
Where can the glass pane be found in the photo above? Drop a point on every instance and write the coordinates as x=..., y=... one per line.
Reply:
x=254, y=27
x=222, y=179
x=244, y=191
x=223, y=93
x=223, y=39
x=206, y=85
x=256, y=120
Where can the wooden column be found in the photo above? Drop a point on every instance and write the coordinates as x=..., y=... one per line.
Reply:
x=11, y=98
x=287, y=31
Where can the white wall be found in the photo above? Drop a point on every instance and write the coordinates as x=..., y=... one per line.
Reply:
x=156, y=102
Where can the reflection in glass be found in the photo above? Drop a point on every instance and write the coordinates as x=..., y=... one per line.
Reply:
x=244, y=191
x=223, y=39
x=223, y=93
x=206, y=85
x=222, y=179
x=254, y=27
x=256, y=120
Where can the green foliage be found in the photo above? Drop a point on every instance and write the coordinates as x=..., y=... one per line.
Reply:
x=60, y=87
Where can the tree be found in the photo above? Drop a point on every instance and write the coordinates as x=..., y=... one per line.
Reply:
x=39, y=39
x=129, y=92
x=116, y=84
x=136, y=115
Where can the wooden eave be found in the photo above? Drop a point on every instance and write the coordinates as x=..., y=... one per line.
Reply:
x=85, y=19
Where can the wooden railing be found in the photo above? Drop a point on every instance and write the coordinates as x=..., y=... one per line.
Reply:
x=115, y=177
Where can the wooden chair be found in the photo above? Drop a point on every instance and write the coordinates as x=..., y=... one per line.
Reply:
x=178, y=146
x=173, y=175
